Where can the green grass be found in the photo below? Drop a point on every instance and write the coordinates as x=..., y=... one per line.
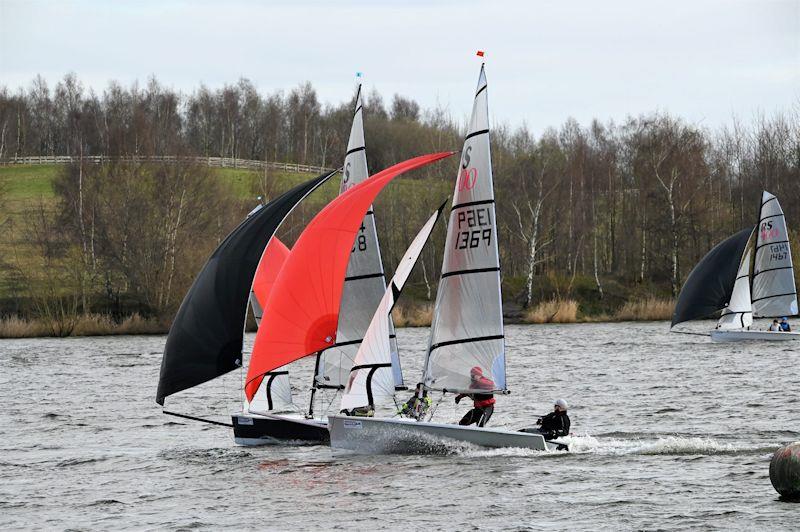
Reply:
x=24, y=182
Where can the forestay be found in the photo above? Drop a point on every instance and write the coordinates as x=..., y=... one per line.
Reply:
x=364, y=282
x=774, y=291
x=371, y=375
x=467, y=328
x=738, y=314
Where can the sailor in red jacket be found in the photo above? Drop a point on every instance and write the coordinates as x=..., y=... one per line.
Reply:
x=482, y=403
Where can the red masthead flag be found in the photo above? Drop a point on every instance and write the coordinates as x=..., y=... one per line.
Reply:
x=302, y=312
x=480, y=53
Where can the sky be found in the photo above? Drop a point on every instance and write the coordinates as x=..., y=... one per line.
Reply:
x=704, y=60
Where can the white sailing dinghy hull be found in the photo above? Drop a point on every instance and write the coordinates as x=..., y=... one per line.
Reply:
x=738, y=336
x=405, y=436
x=251, y=429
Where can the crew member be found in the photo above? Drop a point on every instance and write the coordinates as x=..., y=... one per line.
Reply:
x=785, y=327
x=553, y=425
x=482, y=403
x=417, y=406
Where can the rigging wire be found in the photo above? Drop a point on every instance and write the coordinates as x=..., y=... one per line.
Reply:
x=327, y=408
x=433, y=410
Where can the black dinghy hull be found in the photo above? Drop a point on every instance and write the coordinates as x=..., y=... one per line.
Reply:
x=271, y=429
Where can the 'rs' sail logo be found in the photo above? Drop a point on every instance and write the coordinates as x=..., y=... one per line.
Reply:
x=467, y=176
x=347, y=172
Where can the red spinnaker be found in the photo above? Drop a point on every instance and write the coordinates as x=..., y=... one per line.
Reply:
x=269, y=267
x=302, y=313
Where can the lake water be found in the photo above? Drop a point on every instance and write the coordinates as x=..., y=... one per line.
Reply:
x=670, y=432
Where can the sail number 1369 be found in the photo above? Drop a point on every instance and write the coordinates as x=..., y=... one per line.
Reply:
x=474, y=228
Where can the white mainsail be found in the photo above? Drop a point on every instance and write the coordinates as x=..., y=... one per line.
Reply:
x=739, y=312
x=371, y=376
x=467, y=328
x=364, y=282
x=774, y=291
x=275, y=393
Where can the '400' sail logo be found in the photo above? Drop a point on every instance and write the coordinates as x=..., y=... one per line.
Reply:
x=468, y=176
x=768, y=231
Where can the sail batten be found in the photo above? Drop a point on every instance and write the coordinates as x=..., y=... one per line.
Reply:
x=206, y=336
x=467, y=327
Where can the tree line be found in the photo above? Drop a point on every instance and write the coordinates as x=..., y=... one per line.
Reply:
x=633, y=203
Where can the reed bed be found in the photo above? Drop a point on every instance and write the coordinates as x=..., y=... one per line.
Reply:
x=553, y=311
x=16, y=327
x=650, y=309
x=85, y=325
x=413, y=315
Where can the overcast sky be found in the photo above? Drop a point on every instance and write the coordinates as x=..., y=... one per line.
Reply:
x=704, y=60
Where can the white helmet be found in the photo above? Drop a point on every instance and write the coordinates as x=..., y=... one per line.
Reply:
x=562, y=403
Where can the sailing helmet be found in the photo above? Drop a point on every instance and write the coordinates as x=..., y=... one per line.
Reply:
x=476, y=372
x=562, y=403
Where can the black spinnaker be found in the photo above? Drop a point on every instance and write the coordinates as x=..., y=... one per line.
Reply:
x=205, y=340
x=710, y=284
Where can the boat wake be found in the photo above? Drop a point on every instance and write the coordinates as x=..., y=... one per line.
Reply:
x=640, y=445
x=661, y=445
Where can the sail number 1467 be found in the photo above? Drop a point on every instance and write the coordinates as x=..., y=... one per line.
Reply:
x=474, y=228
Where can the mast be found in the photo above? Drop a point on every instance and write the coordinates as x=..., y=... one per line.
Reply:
x=467, y=328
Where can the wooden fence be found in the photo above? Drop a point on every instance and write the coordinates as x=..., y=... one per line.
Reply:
x=216, y=162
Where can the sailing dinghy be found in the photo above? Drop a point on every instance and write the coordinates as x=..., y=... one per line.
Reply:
x=749, y=275
x=467, y=328
x=301, y=315
x=364, y=285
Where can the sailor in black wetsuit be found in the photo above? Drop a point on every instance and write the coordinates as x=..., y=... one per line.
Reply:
x=553, y=425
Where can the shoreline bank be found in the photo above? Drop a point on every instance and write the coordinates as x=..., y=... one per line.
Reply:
x=410, y=314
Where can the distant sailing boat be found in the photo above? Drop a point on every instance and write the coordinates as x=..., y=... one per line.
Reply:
x=748, y=275
x=467, y=329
